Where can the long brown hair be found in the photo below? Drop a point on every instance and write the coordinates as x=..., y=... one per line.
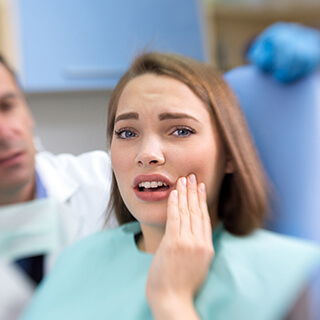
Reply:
x=242, y=202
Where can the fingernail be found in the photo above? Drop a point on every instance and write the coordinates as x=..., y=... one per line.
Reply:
x=184, y=181
x=192, y=178
x=174, y=194
x=202, y=188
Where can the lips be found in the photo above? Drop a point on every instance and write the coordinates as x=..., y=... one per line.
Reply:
x=153, y=187
x=10, y=159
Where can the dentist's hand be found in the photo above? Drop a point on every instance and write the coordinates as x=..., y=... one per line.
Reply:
x=183, y=258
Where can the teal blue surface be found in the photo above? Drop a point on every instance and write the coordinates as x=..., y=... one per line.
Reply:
x=255, y=277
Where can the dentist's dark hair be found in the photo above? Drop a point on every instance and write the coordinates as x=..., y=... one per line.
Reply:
x=7, y=66
x=243, y=197
x=5, y=63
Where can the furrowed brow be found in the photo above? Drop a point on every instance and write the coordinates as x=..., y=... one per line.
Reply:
x=166, y=116
x=126, y=116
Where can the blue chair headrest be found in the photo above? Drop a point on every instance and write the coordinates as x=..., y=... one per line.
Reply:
x=284, y=120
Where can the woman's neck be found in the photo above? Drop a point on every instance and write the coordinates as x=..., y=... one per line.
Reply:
x=151, y=238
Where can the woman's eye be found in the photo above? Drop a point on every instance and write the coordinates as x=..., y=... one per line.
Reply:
x=125, y=134
x=183, y=132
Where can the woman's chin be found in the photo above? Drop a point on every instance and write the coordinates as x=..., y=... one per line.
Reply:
x=150, y=214
x=158, y=221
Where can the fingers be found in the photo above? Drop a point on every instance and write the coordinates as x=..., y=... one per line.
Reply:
x=205, y=212
x=173, y=216
x=192, y=208
x=183, y=207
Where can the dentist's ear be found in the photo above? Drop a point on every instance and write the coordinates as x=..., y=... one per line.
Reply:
x=229, y=167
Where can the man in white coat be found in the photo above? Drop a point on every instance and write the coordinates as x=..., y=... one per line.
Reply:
x=46, y=201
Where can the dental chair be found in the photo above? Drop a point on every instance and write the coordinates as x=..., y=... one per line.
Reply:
x=284, y=120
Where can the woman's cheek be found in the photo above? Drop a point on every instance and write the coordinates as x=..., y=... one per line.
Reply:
x=119, y=161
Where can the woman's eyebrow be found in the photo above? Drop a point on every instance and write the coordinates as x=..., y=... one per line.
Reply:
x=167, y=115
x=126, y=116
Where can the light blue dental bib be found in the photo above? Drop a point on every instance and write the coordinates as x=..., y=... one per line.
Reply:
x=256, y=277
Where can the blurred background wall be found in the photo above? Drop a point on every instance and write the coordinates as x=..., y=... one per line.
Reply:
x=69, y=54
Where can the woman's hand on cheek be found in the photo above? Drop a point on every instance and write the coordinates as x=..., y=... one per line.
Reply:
x=182, y=260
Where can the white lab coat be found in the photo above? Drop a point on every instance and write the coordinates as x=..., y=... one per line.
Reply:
x=81, y=185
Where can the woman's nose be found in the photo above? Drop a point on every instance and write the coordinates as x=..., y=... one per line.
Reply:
x=150, y=154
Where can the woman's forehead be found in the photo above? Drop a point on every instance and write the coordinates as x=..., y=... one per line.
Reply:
x=162, y=92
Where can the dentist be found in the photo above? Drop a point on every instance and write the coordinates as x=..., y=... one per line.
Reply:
x=46, y=201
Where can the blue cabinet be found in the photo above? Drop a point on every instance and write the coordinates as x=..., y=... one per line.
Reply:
x=88, y=44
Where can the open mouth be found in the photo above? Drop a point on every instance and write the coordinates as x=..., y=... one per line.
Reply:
x=152, y=186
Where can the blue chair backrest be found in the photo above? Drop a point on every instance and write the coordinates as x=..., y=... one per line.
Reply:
x=284, y=120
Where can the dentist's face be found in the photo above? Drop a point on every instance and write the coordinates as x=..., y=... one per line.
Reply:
x=163, y=131
x=16, y=137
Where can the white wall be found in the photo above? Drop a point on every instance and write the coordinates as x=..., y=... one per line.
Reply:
x=72, y=122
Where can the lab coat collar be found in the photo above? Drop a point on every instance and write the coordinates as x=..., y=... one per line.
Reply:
x=57, y=182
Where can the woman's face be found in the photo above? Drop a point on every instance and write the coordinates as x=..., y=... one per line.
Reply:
x=163, y=131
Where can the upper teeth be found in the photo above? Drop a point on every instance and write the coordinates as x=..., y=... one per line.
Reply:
x=152, y=184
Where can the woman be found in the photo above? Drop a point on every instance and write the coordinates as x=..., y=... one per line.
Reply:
x=184, y=164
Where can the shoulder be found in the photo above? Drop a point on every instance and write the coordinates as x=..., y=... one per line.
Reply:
x=65, y=160
x=272, y=243
x=98, y=239
x=270, y=250
x=84, y=181
x=269, y=261
x=89, y=169
x=100, y=245
x=263, y=269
